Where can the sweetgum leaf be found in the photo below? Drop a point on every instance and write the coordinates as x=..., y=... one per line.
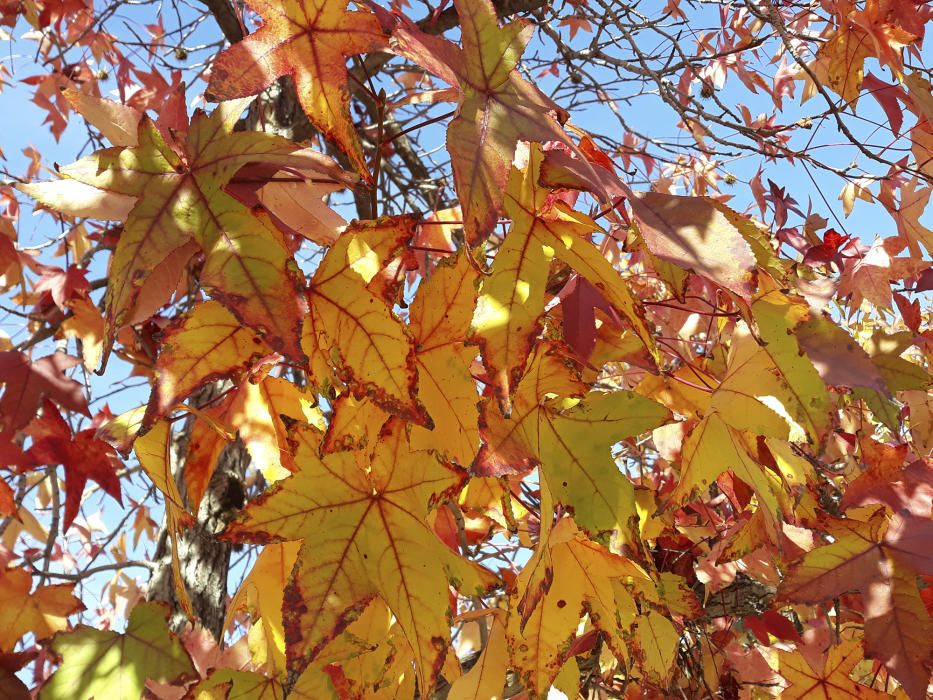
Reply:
x=177, y=181
x=82, y=455
x=42, y=612
x=830, y=679
x=27, y=382
x=439, y=319
x=309, y=40
x=497, y=107
x=570, y=576
x=880, y=559
x=364, y=535
x=206, y=344
x=511, y=301
x=107, y=664
x=570, y=439
x=352, y=328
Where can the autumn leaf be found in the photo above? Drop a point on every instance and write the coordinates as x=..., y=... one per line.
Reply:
x=570, y=437
x=86, y=325
x=880, y=558
x=27, y=382
x=294, y=197
x=248, y=265
x=364, y=536
x=698, y=234
x=353, y=325
x=254, y=414
x=206, y=344
x=41, y=612
x=511, y=301
x=107, y=664
x=439, y=320
x=805, y=399
x=310, y=41
x=227, y=683
x=831, y=679
x=11, y=686
x=81, y=454
x=154, y=452
x=487, y=678
x=496, y=106
x=261, y=594
x=656, y=641
x=571, y=577
x=712, y=448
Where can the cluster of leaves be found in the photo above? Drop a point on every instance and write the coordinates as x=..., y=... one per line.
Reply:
x=652, y=455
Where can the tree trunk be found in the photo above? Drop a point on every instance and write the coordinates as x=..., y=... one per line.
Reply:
x=204, y=560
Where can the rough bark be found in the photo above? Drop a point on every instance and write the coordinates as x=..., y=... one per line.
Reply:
x=204, y=560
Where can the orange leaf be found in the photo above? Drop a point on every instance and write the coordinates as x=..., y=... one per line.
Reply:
x=41, y=612
x=207, y=344
x=310, y=42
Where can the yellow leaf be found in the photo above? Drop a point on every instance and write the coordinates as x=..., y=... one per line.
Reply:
x=87, y=325
x=364, y=535
x=440, y=318
x=508, y=312
x=805, y=397
x=832, y=680
x=42, y=612
x=261, y=594
x=657, y=641
x=175, y=185
x=486, y=680
x=714, y=448
x=570, y=575
x=154, y=451
x=355, y=329
x=206, y=344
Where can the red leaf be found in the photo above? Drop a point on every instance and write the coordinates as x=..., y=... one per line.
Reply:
x=910, y=311
x=780, y=626
x=28, y=382
x=82, y=455
x=579, y=301
x=887, y=96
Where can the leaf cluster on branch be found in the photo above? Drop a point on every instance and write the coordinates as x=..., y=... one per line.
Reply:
x=455, y=376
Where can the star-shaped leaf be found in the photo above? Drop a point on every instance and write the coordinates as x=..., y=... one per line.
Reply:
x=107, y=664
x=497, y=107
x=830, y=680
x=353, y=329
x=880, y=557
x=508, y=312
x=27, y=382
x=178, y=187
x=206, y=344
x=808, y=402
x=42, y=612
x=365, y=535
x=569, y=432
x=574, y=576
x=440, y=318
x=82, y=455
x=310, y=41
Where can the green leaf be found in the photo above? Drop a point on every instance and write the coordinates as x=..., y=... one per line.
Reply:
x=107, y=665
